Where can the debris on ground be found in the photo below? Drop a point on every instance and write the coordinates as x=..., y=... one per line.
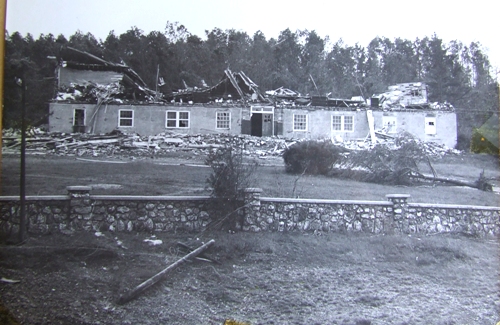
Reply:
x=153, y=241
x=397, y=162
x=118, y=144
x=9, y=281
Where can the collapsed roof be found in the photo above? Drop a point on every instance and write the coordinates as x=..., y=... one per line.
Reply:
x=81, y=73
x=403, y=95
x=232, y=86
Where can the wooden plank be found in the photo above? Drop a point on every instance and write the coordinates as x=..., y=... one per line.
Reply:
x=161, y=275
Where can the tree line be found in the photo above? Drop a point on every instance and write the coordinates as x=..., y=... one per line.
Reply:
x=300, y=60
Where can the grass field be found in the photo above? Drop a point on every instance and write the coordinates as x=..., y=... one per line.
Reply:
x=49, y=175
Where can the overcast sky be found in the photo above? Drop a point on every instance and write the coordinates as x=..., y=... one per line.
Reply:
x=353, y=21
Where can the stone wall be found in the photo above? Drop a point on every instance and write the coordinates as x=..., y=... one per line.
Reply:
x=396, y=215
x=80, y=210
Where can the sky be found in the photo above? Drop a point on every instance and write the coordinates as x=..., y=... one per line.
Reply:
x=352, y=21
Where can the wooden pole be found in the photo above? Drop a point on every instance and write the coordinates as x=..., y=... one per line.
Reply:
x=160, y=276
x=3, y=7
x=319, y=94
x=22, y=181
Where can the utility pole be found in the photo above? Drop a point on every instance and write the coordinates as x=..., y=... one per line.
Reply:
x=22, y=181
x=3, y=7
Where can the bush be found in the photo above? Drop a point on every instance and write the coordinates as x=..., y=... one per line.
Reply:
x=311, y=157
x=229, y=176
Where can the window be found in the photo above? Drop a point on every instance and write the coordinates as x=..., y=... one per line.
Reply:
x=430, y=125
x=348, y=123
x=343, y=123
x=389, y=123
x=223, y=120
x=336, y=123
x=299, y=122
x=177, y=119
x=126, y=118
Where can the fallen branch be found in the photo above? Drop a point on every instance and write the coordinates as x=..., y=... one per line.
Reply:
x=481, y=186
x=160, y=276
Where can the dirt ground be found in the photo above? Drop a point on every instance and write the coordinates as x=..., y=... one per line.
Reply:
x=273, y=278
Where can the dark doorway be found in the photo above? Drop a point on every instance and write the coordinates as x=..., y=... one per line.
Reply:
x=256, y=121
x=79, y=121
x=261, y=124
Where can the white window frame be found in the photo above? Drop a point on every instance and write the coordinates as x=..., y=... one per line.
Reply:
x=342, y=123
x=226, y=120
x=120, y=118
x=430, y=129
x=177, y=120
x=296, y=122
x=387, y=122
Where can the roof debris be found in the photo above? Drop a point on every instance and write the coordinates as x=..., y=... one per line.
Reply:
x=85, y=77
x=407, y=96
x=233, y=86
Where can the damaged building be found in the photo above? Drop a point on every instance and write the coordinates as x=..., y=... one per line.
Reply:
x=97, y=96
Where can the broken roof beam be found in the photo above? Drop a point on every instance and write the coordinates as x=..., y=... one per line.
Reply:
x=234, y=82
x=90, y=56
x=85, y=59
x=251, y=85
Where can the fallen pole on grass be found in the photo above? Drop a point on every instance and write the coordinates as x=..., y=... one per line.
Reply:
x=160, y=276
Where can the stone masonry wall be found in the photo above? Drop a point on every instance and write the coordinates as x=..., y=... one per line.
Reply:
x=428, y=218
x=325, y=217
x=81, y=211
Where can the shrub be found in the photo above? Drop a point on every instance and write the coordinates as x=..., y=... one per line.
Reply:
x=311, y=157
x=229, y=176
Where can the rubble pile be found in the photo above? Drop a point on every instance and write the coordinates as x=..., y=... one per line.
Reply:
x=118, y=144
x=431, y=149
